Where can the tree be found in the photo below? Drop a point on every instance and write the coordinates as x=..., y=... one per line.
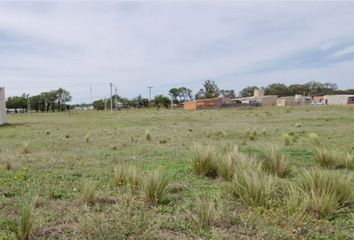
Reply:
x=278, y=89
x=62, y=96
x=185, y=94
x=162, y=101
x=99, y=104
x=200, y=94
x=248, y=91
x=228, y=93
x=211, y=90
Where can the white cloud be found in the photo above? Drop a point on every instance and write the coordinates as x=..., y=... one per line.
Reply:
x=344, y=52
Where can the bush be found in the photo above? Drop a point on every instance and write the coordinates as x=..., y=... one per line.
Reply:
x=204, y=161
x=88, y=192
x=320, y=192
x=26, y=148
x=253, y=186
x=125, y=175
x=275, y=162
x=206, y=213
x=155, y=187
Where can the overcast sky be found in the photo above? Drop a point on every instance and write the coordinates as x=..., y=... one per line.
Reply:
x=134, y=45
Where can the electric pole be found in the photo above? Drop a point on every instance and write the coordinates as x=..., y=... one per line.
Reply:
x=150, y=87
x=111, y=86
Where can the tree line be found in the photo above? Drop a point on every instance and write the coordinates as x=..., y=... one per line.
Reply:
x=308, y=89
x=55, y=100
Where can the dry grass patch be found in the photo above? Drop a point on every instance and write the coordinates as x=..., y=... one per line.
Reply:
x=155, y=187
x=204, y=161
x=275, y=162
x=126, y=175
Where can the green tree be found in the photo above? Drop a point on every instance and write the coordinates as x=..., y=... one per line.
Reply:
x=278, y=89
x=248, y=91
x=162, y=101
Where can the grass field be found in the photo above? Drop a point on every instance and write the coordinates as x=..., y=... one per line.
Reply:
x=134, y=174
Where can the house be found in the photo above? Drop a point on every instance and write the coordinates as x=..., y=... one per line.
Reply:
x=338, y=99
x=286, y=101
x=203, y=104
x=3, y=119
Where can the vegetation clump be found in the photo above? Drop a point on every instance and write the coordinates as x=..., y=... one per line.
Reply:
x=253, y=186
x=27, y=218
x=155, y=187
x=320, y=192
x=88, y=192
x=125, y=175
x=275, y=162
x=206, y=213
x=204, y=161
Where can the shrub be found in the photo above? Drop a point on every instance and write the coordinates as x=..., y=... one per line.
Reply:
x=148, y=136
x=8, y=165
x=155, y=187
x=314, y=138
x=88, y=192
x=87, y=137
x=27, y=218
x=125, y=175
x=206, y=213
x=163, y=141
x=349, y=161
x=327, y=158
x=204, y=160
x=320, y=192
x=275, y=162
x=253, y=186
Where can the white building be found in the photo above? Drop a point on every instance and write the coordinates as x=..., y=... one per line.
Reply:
x=3, y=119
x=338, y=99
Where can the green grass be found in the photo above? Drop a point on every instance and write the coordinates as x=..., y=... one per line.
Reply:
x=66, y=151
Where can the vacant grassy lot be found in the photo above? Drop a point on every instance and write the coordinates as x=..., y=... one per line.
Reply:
x=137, y=174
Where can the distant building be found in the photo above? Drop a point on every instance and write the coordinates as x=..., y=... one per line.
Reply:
x=338, y=99
x=286, y=101
x=3, y=119
x=203, y=104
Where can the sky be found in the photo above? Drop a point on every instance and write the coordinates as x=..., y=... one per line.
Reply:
x=83, y=46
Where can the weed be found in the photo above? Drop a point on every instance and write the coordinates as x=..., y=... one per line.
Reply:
x=204, y=160
x=298, y=125
x=125, y=175
x=163, y=141
x=87, y=137
x=88, y=192
x=155, y=187
x=275, y=162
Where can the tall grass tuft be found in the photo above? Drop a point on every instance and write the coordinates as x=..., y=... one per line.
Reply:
x=253, y=186
x=88, y=192
x=206, y=213
x=349, y=161
x=125, y=175
x=314, y=138
x=320, y=192
x=8, y=165
x=227, y=165
x=25, y=227
x=148, y=136
x=275, y=162
x=286, y=139
x=252, y=134
x=155, y=187
x=326, y=158
x=204, y=160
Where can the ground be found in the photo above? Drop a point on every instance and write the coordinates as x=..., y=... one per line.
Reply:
x=46, y=158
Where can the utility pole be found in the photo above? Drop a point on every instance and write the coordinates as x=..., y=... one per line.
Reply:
x=150, y=87
x=111, y=86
